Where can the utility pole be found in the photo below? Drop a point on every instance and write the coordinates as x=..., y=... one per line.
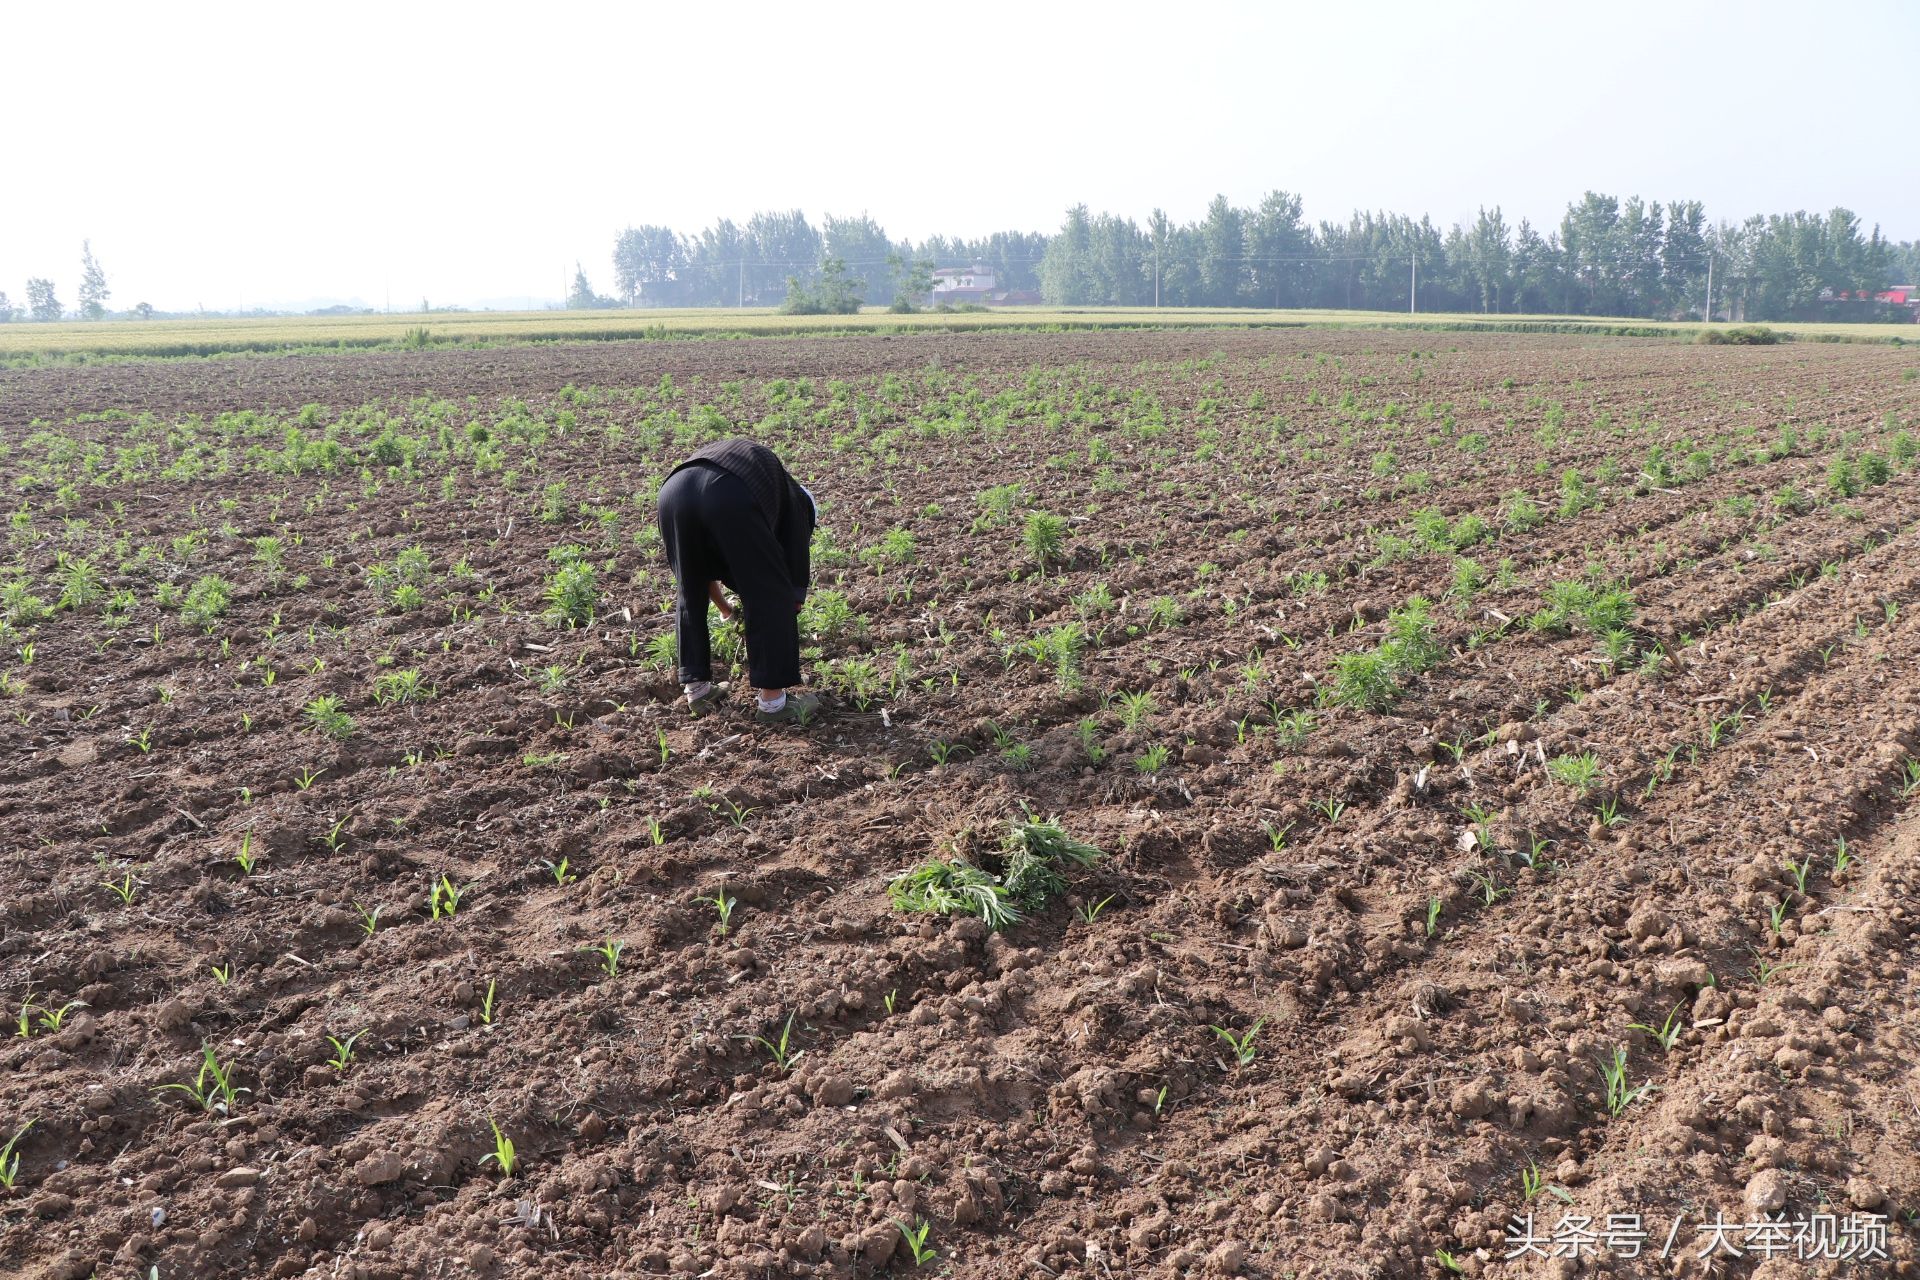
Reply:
x=741, y=300
x=1156, y=274
x=1709, y=288
x=1413, y=282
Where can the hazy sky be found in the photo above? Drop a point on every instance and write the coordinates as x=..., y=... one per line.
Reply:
x=276, y=154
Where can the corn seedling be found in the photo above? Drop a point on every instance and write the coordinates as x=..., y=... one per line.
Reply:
x=1448, y=1262
x=343, y=1051
x=1667, y=1034
x=487, y=1003
x=1090, y=912
x=222, y=973
x=1799, y=870
x=1842, y=856
x=1330, y=808
x=124, y=888
x=1276, y=836
x=305, y=779
x=916, y=1238
x=1621, y=1092
x=609, y=952
x=1909, y=778
x=1153, y=759
x=369, y=918
x=503, y=1153
x=52, y=1018
x=892, y=997
x=1765, y=971
x=782, y=1051
x=560, y=872
x=723, y=907
x=212, y=1089
x=1434, y=908
x=1491, y=891
x=444, y=898
x=246, y=859
x=10, y=1159
x=1777, y=917
x=24, y=1023
x=1244, y=1049
x=1533, y=1182
x=336, y=835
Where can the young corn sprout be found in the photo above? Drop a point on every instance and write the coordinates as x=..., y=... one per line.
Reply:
x=10, y=1159
x=503, y=1153
x=212, y=1089
x=1242, y=1044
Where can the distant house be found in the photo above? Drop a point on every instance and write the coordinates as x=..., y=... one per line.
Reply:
x=1899, y=302
x=953, y=286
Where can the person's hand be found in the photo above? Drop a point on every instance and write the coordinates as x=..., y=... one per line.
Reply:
x=719, y=598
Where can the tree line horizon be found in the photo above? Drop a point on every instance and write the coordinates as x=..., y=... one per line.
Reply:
x=1608, y=256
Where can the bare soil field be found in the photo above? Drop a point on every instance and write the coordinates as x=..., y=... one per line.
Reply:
x=1500, y=752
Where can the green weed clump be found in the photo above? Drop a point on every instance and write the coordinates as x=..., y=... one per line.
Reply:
x=1372, y=680
x=1033, y=856
x=1746, y=335
x=1583, y=606
x=573, y=595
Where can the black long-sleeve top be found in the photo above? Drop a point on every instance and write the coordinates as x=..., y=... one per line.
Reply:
x=783, y=500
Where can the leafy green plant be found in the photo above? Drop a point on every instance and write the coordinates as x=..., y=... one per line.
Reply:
x=343, y=1051
x=212, y=1089
x=1621, y=1091
x=1088, y=731
x=916, y=1240
x=1667, y=1034
x=723, y=906
x=1088, y=912
x=1242, y=1044
x=124, y=888
x=609, y=953
x=10, y=1158
x=208, y=598
x=572, y=595
x=503, y=1153
x=1581, y=772
x=1153, y=759
x=247, y=859
x=443, y=898
x=949, y=887
x=51, y=1019
x=1044, y=537
x=1134, y=708
x=782, y=1052
x=325, y=716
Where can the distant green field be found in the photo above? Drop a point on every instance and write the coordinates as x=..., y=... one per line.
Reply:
x=19, y=340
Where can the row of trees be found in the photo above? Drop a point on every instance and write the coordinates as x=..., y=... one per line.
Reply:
x=1607, y=257
x=43, y=300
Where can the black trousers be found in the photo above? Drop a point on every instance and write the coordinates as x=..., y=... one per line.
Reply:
x=715, y=532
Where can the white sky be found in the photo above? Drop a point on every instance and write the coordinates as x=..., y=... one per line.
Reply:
x=277, y=154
